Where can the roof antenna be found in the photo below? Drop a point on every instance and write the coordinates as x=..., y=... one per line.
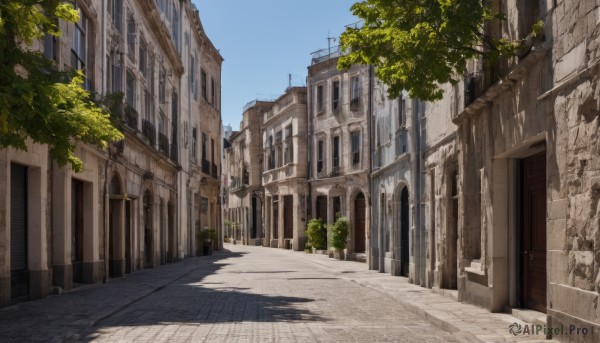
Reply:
x=289, y=80
x=329, y=39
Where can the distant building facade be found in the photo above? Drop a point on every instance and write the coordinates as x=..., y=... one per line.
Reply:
x=244, y=168
x=338, y=130
x=285, y=170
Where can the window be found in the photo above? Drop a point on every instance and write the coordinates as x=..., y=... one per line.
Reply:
x=355, y=91
x=162, y=124
x=130, y=89
x=162, y=96
x=212, y=91
x=115, y=8
x=116, y=72
x=151, y=74
x=50, y=47
x=355, y=136
x=194, y=144
x=163, y=6
x=203, y=146
x=212, y=150
x=143, y=62
x=279, y=149
x=131, y=32
x=148, y=110
x=203, y=81
x=79, y=48
x=319, y=99
x=530, y=15
x=320, y=151
x=336, y=153
x=271, y=152
x=175, y=28
x=336, y=95
x=402, y=113
x=193, y=79
x=289, y=145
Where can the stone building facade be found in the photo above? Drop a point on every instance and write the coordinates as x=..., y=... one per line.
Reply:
x=338, y=131
x=204, y=134
x=244, y=168
x=124, y=212
x=439, y=195
x=393, y=186
x=511, y=195
x=284, y=178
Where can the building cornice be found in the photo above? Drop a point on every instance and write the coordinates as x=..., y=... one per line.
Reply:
x=162, y=34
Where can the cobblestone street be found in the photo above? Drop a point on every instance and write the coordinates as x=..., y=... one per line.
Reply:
x=246, y=294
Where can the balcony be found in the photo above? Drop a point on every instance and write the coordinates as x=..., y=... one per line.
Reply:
x=335, y=171
x=163, y=144
x=205, y=167
x=214, y=171
x=174, y=156
x=401, y=142
x=131, y=117
x=235, y=185
x=149, y=132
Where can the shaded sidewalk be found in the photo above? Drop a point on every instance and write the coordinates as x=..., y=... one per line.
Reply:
x=73, y=314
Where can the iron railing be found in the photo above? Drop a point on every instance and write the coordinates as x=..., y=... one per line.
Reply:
x=205, y=167
x=163, y=144
x=149, y=131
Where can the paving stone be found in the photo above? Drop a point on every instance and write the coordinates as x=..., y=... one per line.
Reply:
x=252, y=294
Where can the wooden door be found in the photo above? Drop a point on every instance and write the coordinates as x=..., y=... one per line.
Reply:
x=404, y=241
x=288, y=216
x=148, y=232
x=533, y=253
x=19, y=270
x=275, y=217
x=128, y=243
x=77, y=230
x=322, y=211
x=359, y=223
x=322, y=207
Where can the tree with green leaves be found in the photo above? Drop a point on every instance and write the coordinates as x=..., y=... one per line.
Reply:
x=37, y=101
x=418, y=45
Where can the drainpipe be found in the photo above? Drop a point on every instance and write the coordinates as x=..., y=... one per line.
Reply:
x=309, y=143
x=372, y=191
x=104, y=193
x=419, y=240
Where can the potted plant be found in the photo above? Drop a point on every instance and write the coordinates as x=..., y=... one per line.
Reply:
x=206, y=237
x=338, y=233
x=228, y=234
x=316, y=234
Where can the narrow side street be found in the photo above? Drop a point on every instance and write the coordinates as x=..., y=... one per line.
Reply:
x=249, y=294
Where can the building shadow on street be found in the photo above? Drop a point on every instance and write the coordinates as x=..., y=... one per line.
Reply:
x=173, y=293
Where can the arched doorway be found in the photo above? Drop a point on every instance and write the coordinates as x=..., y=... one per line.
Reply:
x=148, y=232
x=359, y=223
x=404, y=230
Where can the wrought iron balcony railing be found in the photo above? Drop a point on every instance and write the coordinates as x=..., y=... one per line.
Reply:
x=163, y=144
x=149, y=131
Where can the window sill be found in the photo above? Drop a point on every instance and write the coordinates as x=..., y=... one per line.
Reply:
x=475, y=268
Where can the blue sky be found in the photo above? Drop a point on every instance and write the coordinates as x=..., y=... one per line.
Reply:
x=263, y=41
